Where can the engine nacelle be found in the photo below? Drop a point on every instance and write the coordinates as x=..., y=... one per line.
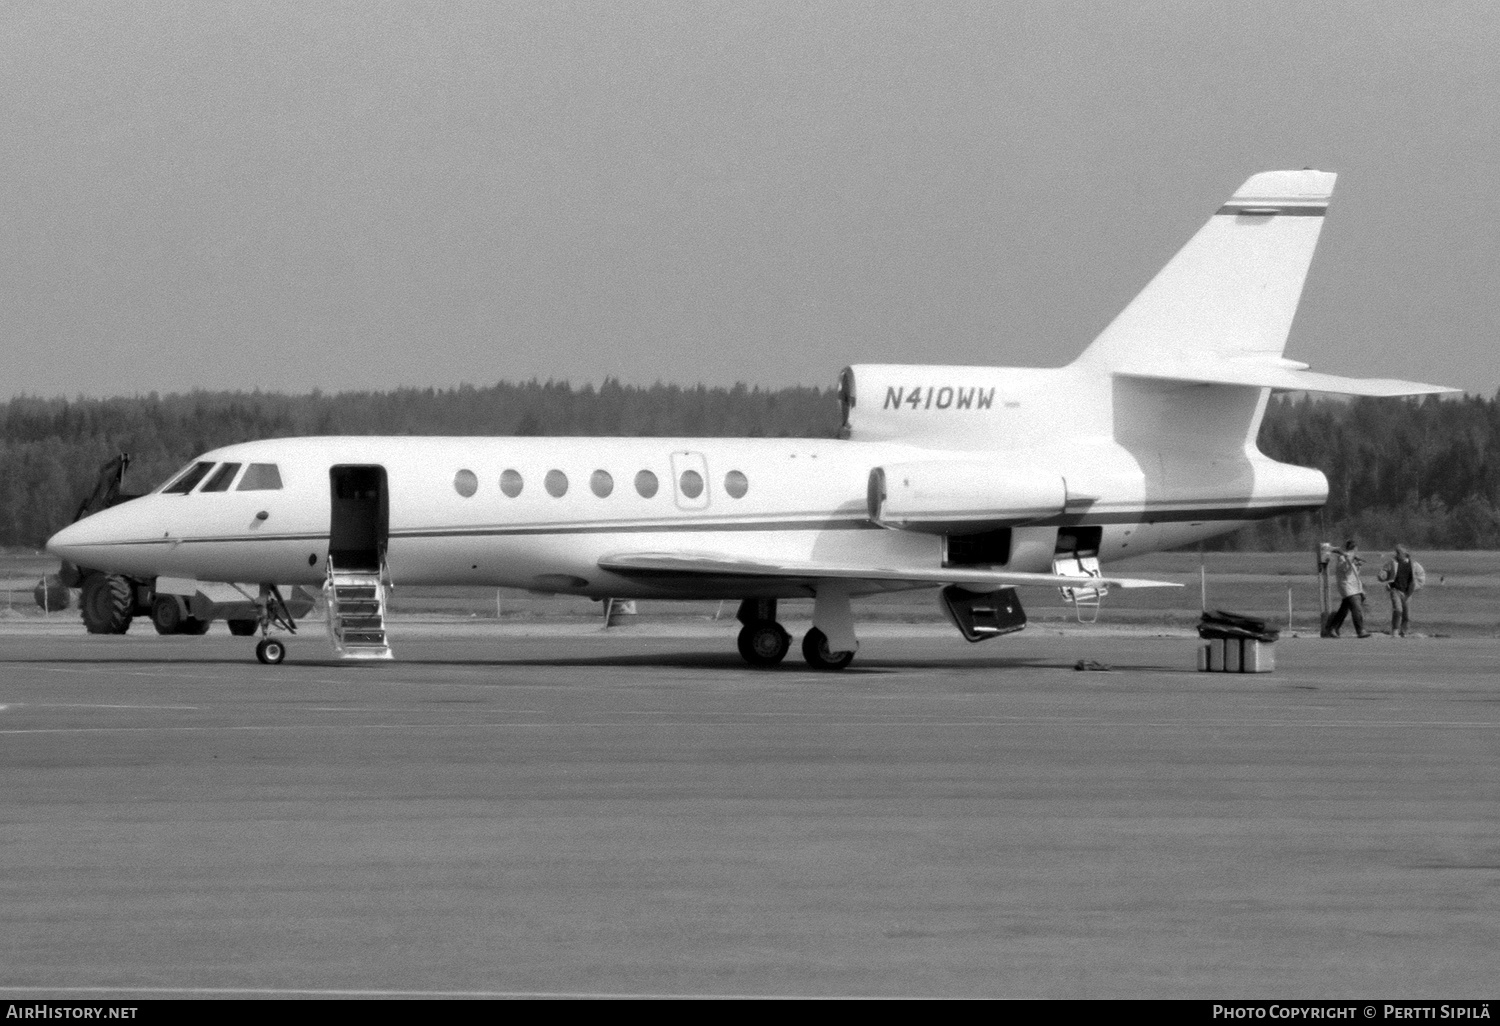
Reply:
x=961, y=496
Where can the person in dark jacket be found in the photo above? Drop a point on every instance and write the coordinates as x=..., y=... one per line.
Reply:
x=1353, y=590
x=1403, y=577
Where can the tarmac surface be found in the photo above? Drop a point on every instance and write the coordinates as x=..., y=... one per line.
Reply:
x=579, y=812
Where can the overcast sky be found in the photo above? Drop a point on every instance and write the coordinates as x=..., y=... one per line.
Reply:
x=369, y=195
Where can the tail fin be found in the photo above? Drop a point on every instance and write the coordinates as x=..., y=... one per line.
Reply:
x=1233, y=289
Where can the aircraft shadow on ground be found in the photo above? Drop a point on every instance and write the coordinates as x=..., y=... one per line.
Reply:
x=675, y=660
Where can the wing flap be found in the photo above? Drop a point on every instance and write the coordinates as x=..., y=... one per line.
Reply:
x=710, y=564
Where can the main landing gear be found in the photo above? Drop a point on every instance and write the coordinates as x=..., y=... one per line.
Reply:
x=764, y=643
x=272, y=613
x=815, y=651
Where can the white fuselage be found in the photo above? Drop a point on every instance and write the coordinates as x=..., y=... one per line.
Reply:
x=798, y=500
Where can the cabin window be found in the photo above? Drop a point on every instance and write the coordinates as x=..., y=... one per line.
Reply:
x=736, y=484
x=260, y=477
x=646, y=484
x=220, y=480
x=601, y=483
x=511, y=483
x=556, y=483
x=187, y=479
x=465, y=483
x=691, y=483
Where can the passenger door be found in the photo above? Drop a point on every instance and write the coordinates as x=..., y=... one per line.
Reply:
x=360, y=522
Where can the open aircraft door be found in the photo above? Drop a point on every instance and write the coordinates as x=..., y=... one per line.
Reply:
x=360, y=523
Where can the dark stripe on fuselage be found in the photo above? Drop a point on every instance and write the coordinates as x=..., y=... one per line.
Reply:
x=696, y=527
x=234, y=538
x=1173, y=516
x=1089, y=519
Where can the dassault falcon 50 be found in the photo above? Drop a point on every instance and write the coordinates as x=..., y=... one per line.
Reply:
x=975, y=480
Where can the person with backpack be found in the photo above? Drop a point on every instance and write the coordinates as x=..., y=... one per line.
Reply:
x=1403, y=577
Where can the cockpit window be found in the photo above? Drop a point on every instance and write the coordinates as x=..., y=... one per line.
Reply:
x=260, y=477
x=220, y=480
x=187, y=479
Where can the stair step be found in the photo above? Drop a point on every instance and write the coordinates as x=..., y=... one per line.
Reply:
x=356, y=615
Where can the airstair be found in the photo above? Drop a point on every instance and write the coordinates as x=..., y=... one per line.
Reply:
x=1085, y=600
x=356, y=613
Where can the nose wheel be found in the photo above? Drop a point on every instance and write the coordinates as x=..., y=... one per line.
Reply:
x=272, y=612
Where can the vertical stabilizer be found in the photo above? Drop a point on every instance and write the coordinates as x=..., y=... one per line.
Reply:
x=1233, y=289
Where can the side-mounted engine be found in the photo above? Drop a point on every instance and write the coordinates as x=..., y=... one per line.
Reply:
x=961, y=496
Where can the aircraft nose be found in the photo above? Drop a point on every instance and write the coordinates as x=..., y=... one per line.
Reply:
x=92, y=541
x=75, y=540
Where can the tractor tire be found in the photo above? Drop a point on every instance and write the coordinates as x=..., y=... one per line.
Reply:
x=51, y=594
x=106, y=604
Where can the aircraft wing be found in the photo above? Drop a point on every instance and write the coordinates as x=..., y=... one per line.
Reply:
x=710, y=564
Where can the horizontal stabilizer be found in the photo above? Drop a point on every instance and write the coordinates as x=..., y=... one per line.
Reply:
x=708, y=564
x=1284, y=375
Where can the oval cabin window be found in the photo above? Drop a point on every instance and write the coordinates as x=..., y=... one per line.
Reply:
x=556, y=483
x=645, y=484
x=736, y=484
x=691, y=483
x=601, y=483
x=465, y=483
x=511, y=483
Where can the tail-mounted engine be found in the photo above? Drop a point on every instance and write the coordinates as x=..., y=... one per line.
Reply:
x=961, y=496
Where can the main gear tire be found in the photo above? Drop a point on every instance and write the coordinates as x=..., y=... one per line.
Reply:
x=193, y=625
x=106, y=604
x=242, y=628
x=764, y=643
x=815, y=650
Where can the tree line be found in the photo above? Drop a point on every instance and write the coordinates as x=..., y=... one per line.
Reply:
x=1420, y=471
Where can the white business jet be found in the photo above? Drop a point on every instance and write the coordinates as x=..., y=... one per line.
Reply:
x=978, y=480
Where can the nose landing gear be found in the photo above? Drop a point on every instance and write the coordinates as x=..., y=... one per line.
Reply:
x=272, y=612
